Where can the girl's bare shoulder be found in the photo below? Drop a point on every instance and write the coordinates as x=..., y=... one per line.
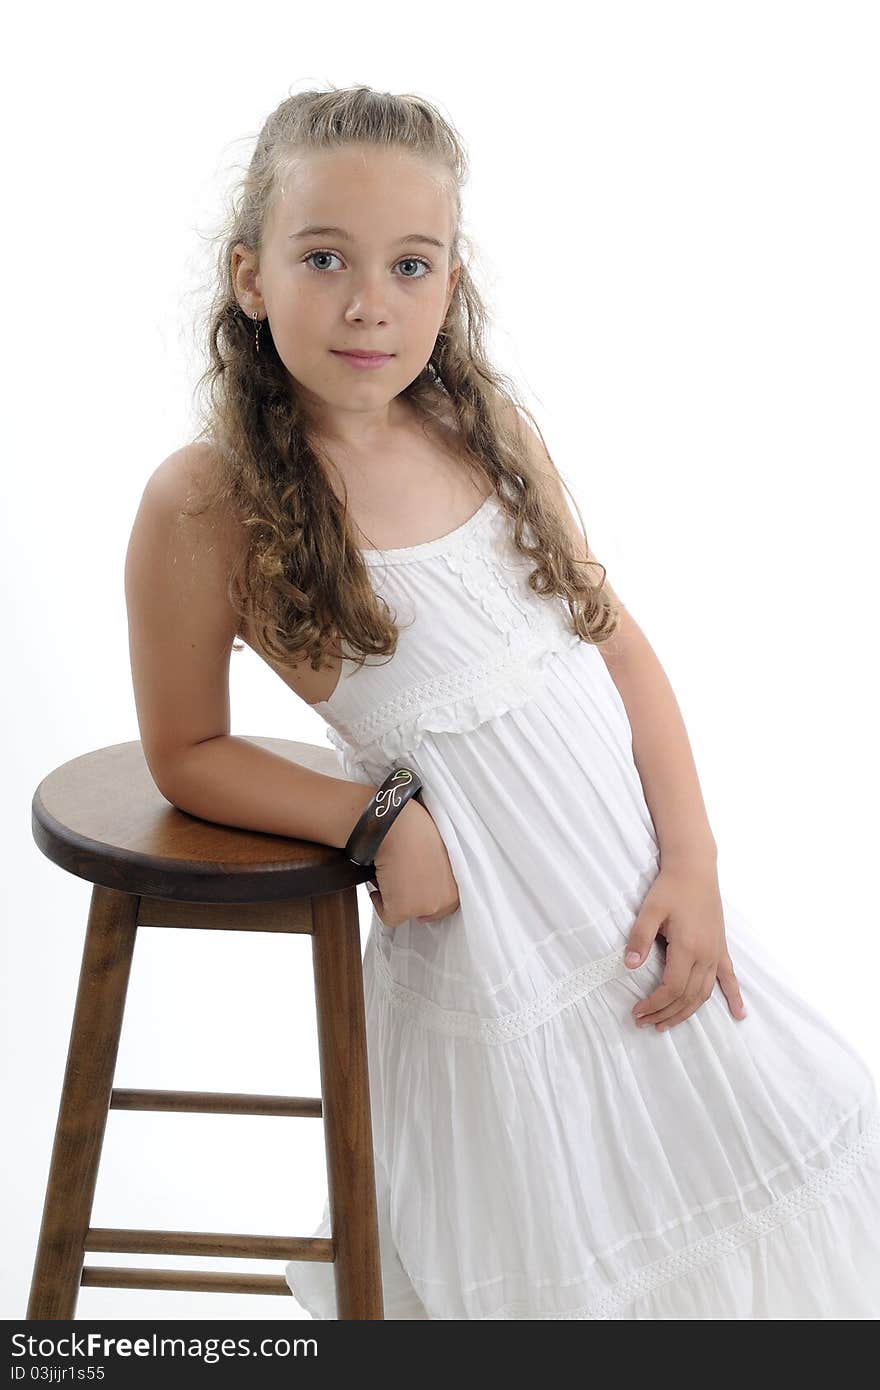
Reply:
x=186, y=483
x=189, y=472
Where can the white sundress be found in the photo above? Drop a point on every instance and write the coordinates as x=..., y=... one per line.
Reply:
x=537, y=1154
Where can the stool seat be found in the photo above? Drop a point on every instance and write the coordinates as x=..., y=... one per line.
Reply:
x=102, y=818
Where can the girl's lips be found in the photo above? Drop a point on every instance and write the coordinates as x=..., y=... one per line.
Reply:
x=374, y=360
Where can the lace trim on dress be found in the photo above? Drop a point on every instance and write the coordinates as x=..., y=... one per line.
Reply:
x=809, y=1196
x=534, y=628
x=508, y=601
x=455, y=702
x=621, y=910
x=491, y=1031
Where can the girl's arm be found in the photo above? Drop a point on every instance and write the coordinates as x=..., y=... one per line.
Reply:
x=181, y=630
x=662, y=751
x=661, y=747
x=684, y=901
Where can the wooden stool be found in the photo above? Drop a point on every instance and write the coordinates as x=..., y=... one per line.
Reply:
x=102, y=818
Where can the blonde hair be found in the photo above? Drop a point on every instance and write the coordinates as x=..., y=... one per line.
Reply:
x=299, y=582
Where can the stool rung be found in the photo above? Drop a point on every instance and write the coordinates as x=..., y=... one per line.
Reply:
x=216, y=1103
x=145, y=1242
x=186, y=1280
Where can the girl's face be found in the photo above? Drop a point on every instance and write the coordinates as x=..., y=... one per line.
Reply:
x=379, y=281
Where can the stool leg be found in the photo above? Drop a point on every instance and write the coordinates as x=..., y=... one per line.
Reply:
x=85, y=1102
x=345, y=1099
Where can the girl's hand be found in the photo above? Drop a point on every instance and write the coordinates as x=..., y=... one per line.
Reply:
x=414, y=877
x=685, y=902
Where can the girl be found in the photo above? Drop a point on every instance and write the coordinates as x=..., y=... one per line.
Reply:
x=574, y=1113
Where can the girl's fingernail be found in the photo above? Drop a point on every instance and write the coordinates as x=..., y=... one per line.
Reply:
x=632, y=957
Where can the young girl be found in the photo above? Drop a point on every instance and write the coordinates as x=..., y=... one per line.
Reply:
x=575, y=1113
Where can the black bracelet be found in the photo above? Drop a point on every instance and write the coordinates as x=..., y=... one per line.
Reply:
x=399, y=787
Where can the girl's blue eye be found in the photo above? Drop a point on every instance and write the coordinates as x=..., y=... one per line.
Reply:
x=415, y=260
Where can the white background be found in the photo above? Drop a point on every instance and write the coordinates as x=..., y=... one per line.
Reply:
x=676, y=213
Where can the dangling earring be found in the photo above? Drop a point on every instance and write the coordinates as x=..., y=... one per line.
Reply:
x=259, y=324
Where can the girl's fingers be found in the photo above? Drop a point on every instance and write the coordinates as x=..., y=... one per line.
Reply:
x=668, y=994
x=696, y=990
x=705, y=993
x=730, y=984
x=667, y=998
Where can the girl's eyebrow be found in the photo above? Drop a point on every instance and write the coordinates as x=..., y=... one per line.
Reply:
x=347, y=236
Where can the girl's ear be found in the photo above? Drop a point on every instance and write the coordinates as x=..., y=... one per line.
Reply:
x=453, y=281
x=245, y=278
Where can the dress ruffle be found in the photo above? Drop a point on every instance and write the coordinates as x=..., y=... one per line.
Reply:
x=662, y=1196
x=498, y=587
x=785, y=1264
x=457, y=702
x=537, y=1155
x=508, y=634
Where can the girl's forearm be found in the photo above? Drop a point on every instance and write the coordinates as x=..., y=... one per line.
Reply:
x=662, y=753
x=234, y=781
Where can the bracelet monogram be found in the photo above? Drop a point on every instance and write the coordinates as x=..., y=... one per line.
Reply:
x=401, y=784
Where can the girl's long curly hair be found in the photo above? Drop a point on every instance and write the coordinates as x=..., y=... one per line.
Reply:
x=298, y=582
